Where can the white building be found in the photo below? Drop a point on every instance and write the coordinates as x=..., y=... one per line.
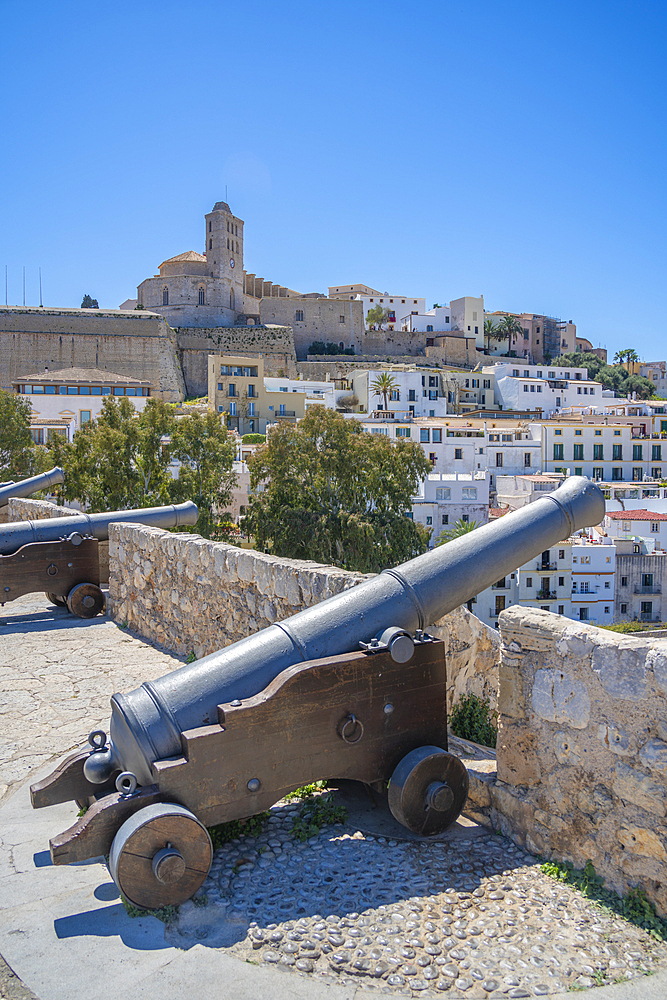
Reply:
x=63, y=401
x=647, y=526
x=467, y=316
x=517, y=491
x=432, y=321
x=519, y=386
x=317, y=392
x=398, y=307
x=418, y=391
x=445, y=498
x=609, y=452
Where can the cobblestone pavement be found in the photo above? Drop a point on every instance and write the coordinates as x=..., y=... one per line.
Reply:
x=57, y=673
x=477, y=917
x=472, y=918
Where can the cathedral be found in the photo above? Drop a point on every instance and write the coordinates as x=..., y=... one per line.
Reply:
x=204, y=290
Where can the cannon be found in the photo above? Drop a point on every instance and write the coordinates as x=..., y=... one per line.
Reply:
x=60, y=555
x=26, y=487
x=353, y=687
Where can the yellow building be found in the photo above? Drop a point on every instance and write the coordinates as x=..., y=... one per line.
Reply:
x=236, y=388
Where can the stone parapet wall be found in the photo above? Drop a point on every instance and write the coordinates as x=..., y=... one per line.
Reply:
x=192, y=595
x=582, y=748
x=36, y=510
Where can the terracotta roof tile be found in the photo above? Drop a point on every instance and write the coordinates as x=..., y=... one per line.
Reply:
x=635, y=515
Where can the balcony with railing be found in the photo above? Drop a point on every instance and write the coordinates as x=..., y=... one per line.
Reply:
x=285, y=413
x=546, y=595
x=648, y=590
x=648, y=616
x=544, y=567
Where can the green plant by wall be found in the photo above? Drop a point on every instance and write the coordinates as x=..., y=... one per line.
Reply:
x=250, y=827
x=317, y=811
x=253, y=438
x=472, y=719
x=635, y=906
x=633, y=626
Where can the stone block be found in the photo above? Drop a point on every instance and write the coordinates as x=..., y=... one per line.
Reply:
x=556, y=697
x=511, y=701
x=621, y=669
x=636, y=787
x=516, y=749
x=654, y=756
x=617, y=740
x=566, y=749
x=657, y=662
x=641, y=841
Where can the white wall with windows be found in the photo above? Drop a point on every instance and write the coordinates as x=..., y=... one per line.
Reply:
x=609, y=452
x=398, y=307
x=445, y=498
x=417, y=391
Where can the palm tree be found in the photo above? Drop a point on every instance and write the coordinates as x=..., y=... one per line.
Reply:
x=459, y=528
x=628, y=355
x=507, y=328
x=383, y=386
x=490, y=332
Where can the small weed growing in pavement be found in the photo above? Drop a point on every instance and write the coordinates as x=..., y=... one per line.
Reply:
x=303, y=793
x=190, y=658
x=164, y=913
x=200, y=901
x=122, y=624
x=471, y=719
x=635, y=906
x=317, y=811
x=250, y=827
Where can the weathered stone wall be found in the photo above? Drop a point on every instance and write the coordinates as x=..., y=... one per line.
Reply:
x=582, y=747
x=36, y=510
x=329, y=320
x=136, y=344
x=192, y=595
x=275, y=344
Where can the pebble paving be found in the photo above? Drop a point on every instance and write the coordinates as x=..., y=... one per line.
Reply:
x=473, y=919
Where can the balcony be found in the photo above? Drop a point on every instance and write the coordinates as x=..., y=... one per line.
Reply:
x=501, y=585
x=544, y=567
x=648, y=590
x=546, y=595
x=286, y=413
x=649, y=617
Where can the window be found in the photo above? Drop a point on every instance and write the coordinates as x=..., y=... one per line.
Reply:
x=655, y=526
x=465, y=518
x=202, y=297
x=637, y=474
x=607, y=585
x=250, y=372
x=606, y=610
x=583, y=614
x=424, y=435
x=433, y=380
x=526, y=459
x=436, y=436
x=232, y=409
x=251, y=391
x=499, y=460
x=412, y=397
x=515, y=372
x=251, y=409
x=281, y=410
x=539, y=388
x=429, y=520
x=617, y=474
x=578, y=470
x=598, y=474
x=84, y=417
x=526, y=373
x=429, y=329
x=558, y=452
x=298, y=316
x=210, y=244
x=525, y=388
x=656, y=472
x=402, y=432
x=231, y=390
x=469, y=493
x=486, y=383
x=598, y=452
x=637, y=450
x=647, y=608
x=624, y=581
x=458, y=453
x=561, y=609
x=165, y=296
x=656, y=453
x=558, y=433
x=395, y=395
x=443, y=493
x=500, y=603
x=433, y=458
x=578, y=453
x=617, y=434
x=445, y=519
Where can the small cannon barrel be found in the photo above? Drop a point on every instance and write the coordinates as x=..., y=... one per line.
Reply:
x=26, y=487
x=13, y=536
x=147, y=723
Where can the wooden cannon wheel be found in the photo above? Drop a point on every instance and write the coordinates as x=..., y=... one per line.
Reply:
x=56, y=599
x=160, y=856
x=428, y=790
x=85, y=600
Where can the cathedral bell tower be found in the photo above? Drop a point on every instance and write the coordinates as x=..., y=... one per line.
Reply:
x=224, y=254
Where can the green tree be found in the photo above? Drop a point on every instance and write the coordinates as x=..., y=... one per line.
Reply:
x=507, y=328
x=89, y=303
x=19, y=456
x=118, y=461
x=324, y=489
x=383, y=385
x=458, y=528
x=628, y=355
x=206, y=451
x=495, y=332
x=375, y=317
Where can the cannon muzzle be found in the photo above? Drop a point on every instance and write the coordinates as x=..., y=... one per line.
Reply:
x=147, y=723
x=13, y=536
x=26, y=487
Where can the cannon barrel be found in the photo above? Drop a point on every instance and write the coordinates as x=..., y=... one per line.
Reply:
x=13, y=536
x=26, y=487
x=147, y=723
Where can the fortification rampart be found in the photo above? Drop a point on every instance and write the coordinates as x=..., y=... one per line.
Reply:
x=275, y=344
x=137, y=344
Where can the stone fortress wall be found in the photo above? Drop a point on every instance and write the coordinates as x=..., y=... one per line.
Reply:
x=581, y=766
x=136, y=344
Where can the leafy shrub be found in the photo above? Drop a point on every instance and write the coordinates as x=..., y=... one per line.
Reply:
x=471, y=719
x=250, y=827
x=632, y=626
x=253, y=438
x=317, y=811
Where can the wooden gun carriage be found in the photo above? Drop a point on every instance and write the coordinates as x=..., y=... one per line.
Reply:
x=331, y=692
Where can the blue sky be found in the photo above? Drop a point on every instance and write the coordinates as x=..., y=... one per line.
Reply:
x=436, y=149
